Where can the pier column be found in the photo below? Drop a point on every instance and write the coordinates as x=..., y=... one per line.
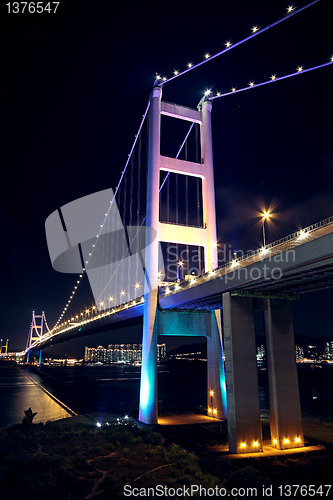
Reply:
x=243, y=407
x=284, y=403
x=148, y=406
x=216, y=394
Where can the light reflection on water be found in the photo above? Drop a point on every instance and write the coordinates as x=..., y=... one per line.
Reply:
x=111, y=389
x=18, y=393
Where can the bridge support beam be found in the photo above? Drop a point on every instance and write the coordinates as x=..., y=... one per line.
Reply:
x=205, y=324
x=148, y=405
x=243, y=407
x=284, y=402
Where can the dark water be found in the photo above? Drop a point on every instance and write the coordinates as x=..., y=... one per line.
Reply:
x=114, y=389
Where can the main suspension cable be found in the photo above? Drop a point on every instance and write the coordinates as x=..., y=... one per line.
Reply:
x=273, y=78
x=255, y=31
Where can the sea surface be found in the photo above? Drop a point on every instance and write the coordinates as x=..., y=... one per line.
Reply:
x=55, y=392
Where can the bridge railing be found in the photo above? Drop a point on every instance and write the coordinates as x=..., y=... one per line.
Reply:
x=294, y=236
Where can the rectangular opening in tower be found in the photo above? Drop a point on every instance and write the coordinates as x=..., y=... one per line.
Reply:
x=173, y=134
x=181, y=199
x=182, y=261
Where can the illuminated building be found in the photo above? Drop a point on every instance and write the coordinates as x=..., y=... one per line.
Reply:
x=120, y=353
x=299, y=352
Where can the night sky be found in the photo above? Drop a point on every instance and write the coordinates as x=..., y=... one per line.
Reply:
x=74, y=87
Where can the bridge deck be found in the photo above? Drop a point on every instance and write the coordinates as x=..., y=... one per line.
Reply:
x=301, y=262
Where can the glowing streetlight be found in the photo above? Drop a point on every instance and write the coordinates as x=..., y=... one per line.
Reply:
x=265, y=216
x=179, y=264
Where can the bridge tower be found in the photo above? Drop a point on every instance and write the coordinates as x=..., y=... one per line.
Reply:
x=176, y=322
x=4, y=347
x=35, y=333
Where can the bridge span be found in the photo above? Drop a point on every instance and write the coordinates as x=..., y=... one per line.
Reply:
x=299, y=263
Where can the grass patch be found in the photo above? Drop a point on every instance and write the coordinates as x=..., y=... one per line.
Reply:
x=74, y=459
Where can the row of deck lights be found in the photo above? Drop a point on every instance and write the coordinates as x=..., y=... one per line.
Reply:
x=118, y=308
x=111, y=299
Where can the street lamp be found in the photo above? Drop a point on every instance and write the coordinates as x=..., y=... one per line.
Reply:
x=265, y=216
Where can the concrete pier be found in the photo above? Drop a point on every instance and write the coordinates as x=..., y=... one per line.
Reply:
x=243, y=408
x=284, y=403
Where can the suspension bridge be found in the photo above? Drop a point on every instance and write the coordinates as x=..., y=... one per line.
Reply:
x=126, y=245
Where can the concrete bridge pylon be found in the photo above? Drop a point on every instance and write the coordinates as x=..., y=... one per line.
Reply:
x=179, y=323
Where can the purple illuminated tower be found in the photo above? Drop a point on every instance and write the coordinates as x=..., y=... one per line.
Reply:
x=172, y=323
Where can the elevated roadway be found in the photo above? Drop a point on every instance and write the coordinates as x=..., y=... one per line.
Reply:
x=299, y=263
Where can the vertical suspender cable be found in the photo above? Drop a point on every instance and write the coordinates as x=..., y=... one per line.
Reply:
x=186, y=208
x=198, y=191
x=138, y=202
